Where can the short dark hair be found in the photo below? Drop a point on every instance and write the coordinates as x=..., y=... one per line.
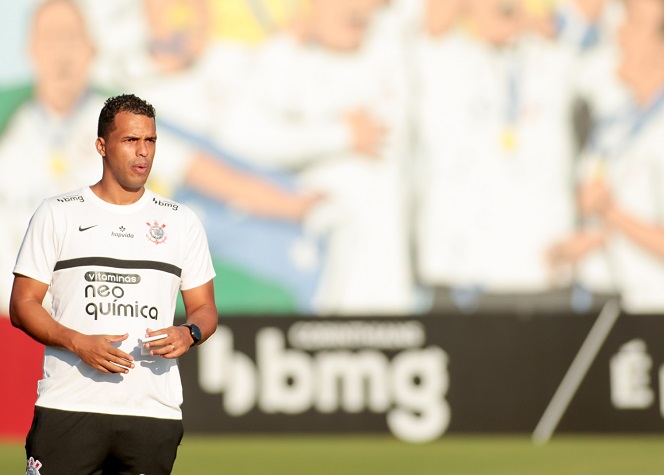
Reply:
x=122, y=103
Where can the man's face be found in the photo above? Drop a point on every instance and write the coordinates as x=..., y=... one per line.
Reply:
x=441, y=15
x=129, y=150
x=60, y=48
x=341, y=24
x=641, y=37
x=497, y=21
x=591, y=9
x=178, y=31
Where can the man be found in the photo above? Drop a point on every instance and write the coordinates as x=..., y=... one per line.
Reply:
x=56, y=159
x=114, y=255
x=585, y=25
x=494, y=178
x=64, y=109
x=331, y=108
x=622, y=175
x=252, y=215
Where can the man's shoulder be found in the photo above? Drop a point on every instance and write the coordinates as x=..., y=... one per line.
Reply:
x=69, y=198
x=160, y=201
x=651, y=137
x=31, y=111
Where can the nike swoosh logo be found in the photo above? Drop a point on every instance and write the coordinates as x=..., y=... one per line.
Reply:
x=89, y=227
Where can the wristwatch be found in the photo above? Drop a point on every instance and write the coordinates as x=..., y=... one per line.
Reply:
x=195, y=333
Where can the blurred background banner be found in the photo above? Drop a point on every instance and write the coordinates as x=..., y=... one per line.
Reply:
x=364, y=157
x=19, y=386
x=418, y=379
x=422, y=378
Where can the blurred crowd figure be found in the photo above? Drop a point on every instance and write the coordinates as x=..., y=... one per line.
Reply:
x=374, y=157
x=66, y=104
x=334, y=114
x=175, y=58
x=45, y=149
x=619, y=246
x=496, y=152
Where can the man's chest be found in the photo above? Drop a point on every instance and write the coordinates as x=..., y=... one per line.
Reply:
x=150, y=235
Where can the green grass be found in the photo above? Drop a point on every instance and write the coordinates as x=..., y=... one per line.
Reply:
x=382, y=455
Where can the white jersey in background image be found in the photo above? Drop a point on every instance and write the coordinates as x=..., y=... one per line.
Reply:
x=293, y=116
x=42, y=154
x=585, y=25
x=627, y=153
x=495, y=182
x=607, y=98
x=176, y=64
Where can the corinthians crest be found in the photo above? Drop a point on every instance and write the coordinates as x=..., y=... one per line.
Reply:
x=156, y=232
x=33, y=467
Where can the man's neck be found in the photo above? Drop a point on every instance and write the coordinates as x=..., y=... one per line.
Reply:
x=117, y=195
x=58, y=104
x=648, y=84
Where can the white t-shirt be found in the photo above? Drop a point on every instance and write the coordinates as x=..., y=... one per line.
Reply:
x=290, y=117
x=495, y=151
x=632, y=163
x=113, y=270
x=582, y=34
x=49, y=162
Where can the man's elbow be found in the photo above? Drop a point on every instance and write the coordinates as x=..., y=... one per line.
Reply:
x=14, y=316
x=15, y=312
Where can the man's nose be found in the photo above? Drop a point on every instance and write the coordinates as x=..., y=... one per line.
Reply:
x=142, y=148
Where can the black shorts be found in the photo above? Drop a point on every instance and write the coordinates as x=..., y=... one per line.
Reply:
x=84, y=443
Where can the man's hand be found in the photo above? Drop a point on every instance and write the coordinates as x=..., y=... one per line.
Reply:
x=98, y=352
x=301, y=204
x=569, y=251
x=367, y=133
x=594, y=198
x=176, y=344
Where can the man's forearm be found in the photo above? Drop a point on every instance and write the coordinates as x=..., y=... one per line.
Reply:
x=646, y=235
x=206, y=318
x=34, y=320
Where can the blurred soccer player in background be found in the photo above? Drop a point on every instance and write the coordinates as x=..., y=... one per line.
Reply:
x=322, y=106
x=621, y=246
x=495, y=152
x=65, y=105
x=45, y=148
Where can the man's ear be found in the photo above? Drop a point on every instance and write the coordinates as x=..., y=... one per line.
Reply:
x=100, y=144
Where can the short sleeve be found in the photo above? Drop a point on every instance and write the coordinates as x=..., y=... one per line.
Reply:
x=198, y=268
x=38, y=253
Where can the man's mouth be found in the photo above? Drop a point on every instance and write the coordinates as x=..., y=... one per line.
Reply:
x=140, y=168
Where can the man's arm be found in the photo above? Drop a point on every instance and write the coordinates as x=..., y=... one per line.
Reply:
x=201, y=310
x=646, y=235
x=596, y=199
x=247, y=192
x=28, y=314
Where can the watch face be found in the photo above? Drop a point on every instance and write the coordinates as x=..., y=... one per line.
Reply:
x=195, y=332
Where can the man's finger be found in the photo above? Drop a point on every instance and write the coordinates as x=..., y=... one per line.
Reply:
x=172, y=351
x=116, y=338
x=121, y=355
x=129, y=364
x=164, y=349
x=101, y=369
x=121, y=367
